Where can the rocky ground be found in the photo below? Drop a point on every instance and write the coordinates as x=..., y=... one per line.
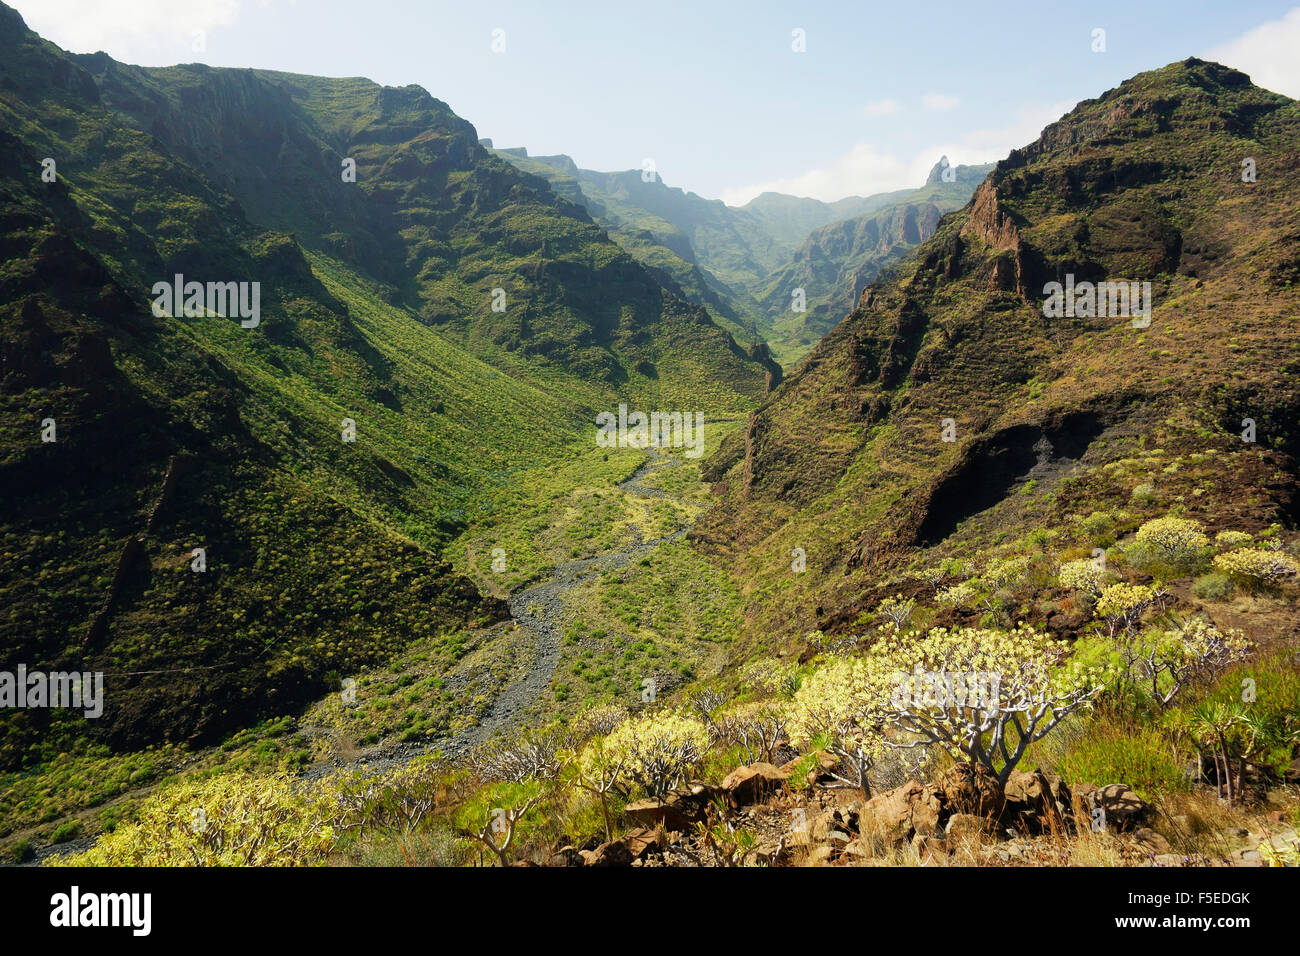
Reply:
x=966, y=818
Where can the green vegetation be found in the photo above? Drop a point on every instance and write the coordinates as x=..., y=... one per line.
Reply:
x=364, y=588
x=322, y=557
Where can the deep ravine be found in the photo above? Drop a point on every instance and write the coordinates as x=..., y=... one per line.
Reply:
x=538, y=610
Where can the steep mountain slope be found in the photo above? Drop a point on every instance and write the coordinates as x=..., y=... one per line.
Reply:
x=742, y=262
x=131, y=437
x=739, y=246
x=431, y=214
x=1049, y=418
x=837, y=260
x=659, y=245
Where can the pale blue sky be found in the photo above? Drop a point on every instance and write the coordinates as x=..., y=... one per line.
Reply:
x=713, y=92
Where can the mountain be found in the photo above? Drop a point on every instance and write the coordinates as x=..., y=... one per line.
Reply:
x=226, y=511
x=738, y=261
x=661, y=246
x=837, y=260
x=948, y=418
x=737, y=245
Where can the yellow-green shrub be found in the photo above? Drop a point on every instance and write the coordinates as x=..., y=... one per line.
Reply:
x=229, y=820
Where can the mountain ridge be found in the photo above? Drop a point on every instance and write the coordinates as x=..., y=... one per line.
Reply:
x=957, y=333
x=322, y=457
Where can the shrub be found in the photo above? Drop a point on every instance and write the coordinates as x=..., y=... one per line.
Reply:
x=1254, y=567
x=1114, y=753
x=933, y=576
x=767, y=675
x=597, y=721
x=1005, y=572
x=658, y=750
x=1176, y=542
x=754, y=727
x=66, y=831
x=1231, y=539
x=840, y=708
x=1163, y=662
x=535, y=754
x=1275, y=711
x=959, y=595
x=1172, y=535
x=1097, y=523
x=498, y=815
x=1023, y=684
x=896, y=610
x=1212, y=587
x=1121, y=605
x=229, y=820
x=1083, y=575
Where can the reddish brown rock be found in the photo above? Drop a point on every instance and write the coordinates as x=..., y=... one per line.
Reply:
x=749, y=784
x=1036, y=802
x=973, y=789
x=676, y=810
x=643, y=842
x=613, y=853
x=903, y=812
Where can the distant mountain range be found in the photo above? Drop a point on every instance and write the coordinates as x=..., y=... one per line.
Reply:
x=743, y=263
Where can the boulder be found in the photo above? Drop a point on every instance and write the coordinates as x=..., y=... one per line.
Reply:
x=1124, y=810
x=929, y=848
x=676, y=810
x=769, y=854
x=856, y=849
x=643, y=842
x=1036, y=802
x=566, y=856
x=1152, y=841
x=965, y=827
x=751, y=783
x=819, y=855
x=613, y=853
x=972, y=789
x=899, y=814
x=832, y=821
x=821, y=772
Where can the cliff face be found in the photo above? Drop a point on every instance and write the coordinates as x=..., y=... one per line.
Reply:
x=912, y=427
x=838, y=260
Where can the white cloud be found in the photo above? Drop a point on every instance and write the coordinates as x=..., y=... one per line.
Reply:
x=149, y=32
x=862, y=171
x=937, y=101
x=865, y=169
x=988, y=144
x=880, y=108
x=1268, y=53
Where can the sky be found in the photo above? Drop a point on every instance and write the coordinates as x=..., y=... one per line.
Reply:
x=727, y=99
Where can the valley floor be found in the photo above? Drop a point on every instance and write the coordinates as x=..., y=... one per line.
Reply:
x=606, y=601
